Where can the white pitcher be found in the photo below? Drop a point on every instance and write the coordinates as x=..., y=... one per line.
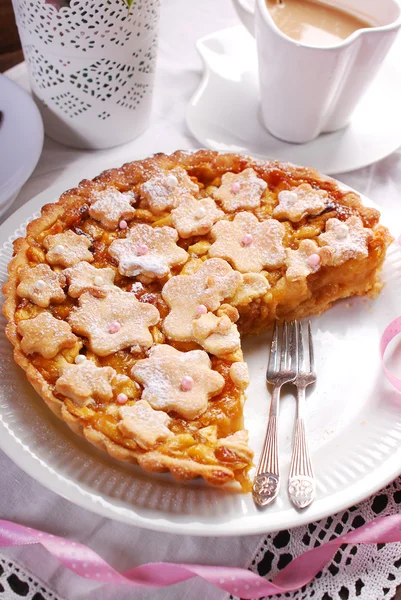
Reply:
x=308, y=90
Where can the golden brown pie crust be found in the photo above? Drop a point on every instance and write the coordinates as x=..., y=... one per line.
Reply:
x=195, y=450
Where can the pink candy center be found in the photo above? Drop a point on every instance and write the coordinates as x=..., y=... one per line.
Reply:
x=314, y=260
x=187, y=383
x=123, y=224
x=142, y=249
x=247, y=239
x=114, y=327
x=201, y=310
x=122, y=398
x=235, y=187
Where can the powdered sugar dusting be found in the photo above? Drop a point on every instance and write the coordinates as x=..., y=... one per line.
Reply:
x=195, y=217
x=115, y=322
x=263, y=248
x=165, y=190
x=217, y=335
x=305, y=260
x=346, y=240
x=136, y=287
x=300, y=202
x=83, y=277
x=157, y=384
x=161, y=253
x=208, y=287
x=151, y=263
x=46, y=335
x=162, y=374
x=67, y=249
x=86, y=382
x=144, y=424
x=111, y=207
x=239, y=191
x=41, y=285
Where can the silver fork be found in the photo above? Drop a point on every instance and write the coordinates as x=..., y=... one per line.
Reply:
x=280, y=370
x=301, y=482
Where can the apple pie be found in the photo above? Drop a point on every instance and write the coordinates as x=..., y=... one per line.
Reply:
x=128, y=297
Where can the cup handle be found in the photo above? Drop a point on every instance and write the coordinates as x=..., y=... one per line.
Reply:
x=246, y=12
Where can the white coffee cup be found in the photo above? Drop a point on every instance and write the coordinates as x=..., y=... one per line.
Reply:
x=308, y=90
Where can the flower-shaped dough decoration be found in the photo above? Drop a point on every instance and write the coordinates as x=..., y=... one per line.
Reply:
x=300, y=202
x=239, y=374
x=84, y=277
x=249, y=245
x=144, y=425
x=191, y=296
x=115, y=322
x=67, y=249
x=195, y=217
x=41, y=285
x=148, y=251
x=86, y=383
x=217, y=335
x=238, y=191
x=345, y=240
x=307, y=259
x=165, y=190
x=253, y=286
x=111, y=206
x=176, y=381
x=46, y=335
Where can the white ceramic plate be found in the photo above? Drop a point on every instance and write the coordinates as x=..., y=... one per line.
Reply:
x=224, y=111
x=354, y=425
x=21, y=140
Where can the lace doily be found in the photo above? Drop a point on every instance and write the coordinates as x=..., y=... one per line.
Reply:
x=16, y=583
x=366, y=571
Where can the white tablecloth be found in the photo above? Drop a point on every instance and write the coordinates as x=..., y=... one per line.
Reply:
x=22, y=499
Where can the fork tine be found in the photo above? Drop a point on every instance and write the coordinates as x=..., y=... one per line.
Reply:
x=293, y=347
x=300, y=345
x=311, y=352
x=272, y=364
x=284, y=348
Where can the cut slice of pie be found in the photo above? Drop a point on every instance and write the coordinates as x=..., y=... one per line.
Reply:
x=127, y=298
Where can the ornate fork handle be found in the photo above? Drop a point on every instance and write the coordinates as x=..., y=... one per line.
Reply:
x=301, y=482
x=267, y=480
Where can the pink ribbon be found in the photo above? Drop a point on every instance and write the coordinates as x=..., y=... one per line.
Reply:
x=388, y=334
x=240, y=582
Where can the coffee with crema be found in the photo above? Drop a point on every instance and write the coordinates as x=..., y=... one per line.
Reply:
x=314, y=23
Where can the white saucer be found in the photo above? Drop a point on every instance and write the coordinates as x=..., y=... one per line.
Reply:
x=224, y=111
x=21, y=140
